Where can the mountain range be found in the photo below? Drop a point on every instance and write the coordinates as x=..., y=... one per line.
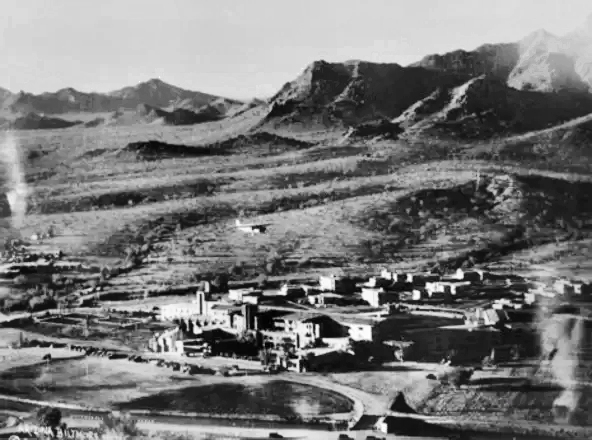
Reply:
x=172, y=104
x=538, y=81
x=153, y=92
x=530, y=84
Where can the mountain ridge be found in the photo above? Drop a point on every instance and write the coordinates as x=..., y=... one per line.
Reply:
x=342, y=95
x=502, y=59
x=541, y=69
x=153, y=92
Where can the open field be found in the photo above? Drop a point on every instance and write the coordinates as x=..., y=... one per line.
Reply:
x=13, y=359
x=387, y=383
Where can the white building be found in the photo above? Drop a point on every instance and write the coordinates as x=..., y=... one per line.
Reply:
x=377, y=297
x=292, y=290
x=416, y=295
x=372, y=282
x=333, y=283
x=452, y=288
x=503, y=303
x=469, y=275
x=328, y=283
x=386, y=274
x=239, y=294
x=393, y=276
x=323, y=299
x=170, y=312
x=490, y=316
x=359, y=329
x=422, y=277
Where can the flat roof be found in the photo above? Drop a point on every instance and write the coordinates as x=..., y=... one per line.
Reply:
x=272, y=313
x=355, y=320
x=329, y=295
x=175, y=305
x=320, y=351
x=277, y=333
x=225, y=307
x=358, y=309
x=303, y=316
x=468, y=328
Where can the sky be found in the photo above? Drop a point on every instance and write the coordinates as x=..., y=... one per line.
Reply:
x=246, y=48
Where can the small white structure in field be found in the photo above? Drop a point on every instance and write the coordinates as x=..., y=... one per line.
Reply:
x=35, y=237
x=251, y=228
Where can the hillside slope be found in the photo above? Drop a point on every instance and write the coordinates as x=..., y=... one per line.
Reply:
x=484, y=107
x=354, y=91
x=497, y=60
x=34, y=121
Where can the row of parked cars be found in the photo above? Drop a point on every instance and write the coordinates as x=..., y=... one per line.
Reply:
x=175, y=366
x=98, y=352
x=114, y=354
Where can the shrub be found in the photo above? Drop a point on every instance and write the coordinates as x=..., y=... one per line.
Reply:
x=49, y=417
x=457, y=377
x=120, y=427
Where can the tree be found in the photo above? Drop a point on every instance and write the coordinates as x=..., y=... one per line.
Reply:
x=265, y=357
x=262, y=281
x=49, y=417
x=487, y=361
x=458, y=377
x=273, y=262
x=20, y=280
x=119, y=426
x=247, y=337
x=220, y=283
x=287, y=346
x=105, y=273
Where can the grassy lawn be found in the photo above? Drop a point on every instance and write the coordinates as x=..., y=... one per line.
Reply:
x=107, y=382
x=250, y=395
